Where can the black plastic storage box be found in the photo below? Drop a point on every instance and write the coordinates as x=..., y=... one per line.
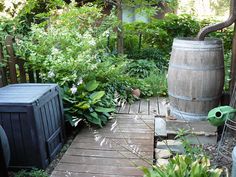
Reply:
x=32, y=117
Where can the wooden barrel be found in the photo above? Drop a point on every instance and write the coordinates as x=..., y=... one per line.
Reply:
x=195, y=77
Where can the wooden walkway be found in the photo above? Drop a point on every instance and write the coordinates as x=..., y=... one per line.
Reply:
x=115, y=150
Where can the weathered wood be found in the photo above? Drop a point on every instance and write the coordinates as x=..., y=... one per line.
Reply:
x=12, y=59
x=195, y=77
x=124, y=109
x=153, y=108
x=106, y=154
x=109, y=170
x=38, y=79
x=162, y=102
x=101, y=161
x=233, y=63
x=21, y=70
x=3, y=79
x=144, y=107
x=74, y=174
x=134, y=108
x=31, y=76
x=125, y=142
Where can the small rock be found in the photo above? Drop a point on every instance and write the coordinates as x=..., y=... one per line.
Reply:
x=162, y=154
x=160, y=127
x=171, y=145
x=162, y=162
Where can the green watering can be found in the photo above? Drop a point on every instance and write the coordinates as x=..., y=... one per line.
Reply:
x=219, y=115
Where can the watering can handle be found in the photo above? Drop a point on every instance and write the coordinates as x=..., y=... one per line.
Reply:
x=233, y=111
x=232, y=18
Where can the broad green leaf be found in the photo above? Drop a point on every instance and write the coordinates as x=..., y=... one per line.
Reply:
x=93, y=119
x=91, y=86
x=96, y=96
x=103, y=119
x=83, y=105
x=102, y=109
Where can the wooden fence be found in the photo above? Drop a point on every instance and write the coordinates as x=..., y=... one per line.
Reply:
x=14, y=69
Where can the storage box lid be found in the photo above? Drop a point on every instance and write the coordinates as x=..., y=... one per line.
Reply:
x=24, y=93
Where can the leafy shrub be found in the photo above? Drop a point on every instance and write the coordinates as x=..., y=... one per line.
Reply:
x=150, y=54
x=184, y=166
x=194, y=163
x=71, y=51
x=140, y=68
x=159, y=33
x=32, y=173
x=82, y=101
x=157, y=83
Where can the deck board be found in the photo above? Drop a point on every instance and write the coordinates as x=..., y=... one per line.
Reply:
x=117, y=151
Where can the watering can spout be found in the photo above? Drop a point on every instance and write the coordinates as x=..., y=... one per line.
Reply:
x=219, y=115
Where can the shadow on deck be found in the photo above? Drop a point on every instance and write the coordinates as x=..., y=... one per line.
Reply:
x=127, y=141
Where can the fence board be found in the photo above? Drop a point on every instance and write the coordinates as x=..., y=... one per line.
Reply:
x=12, y=59
x=3, y=77
x=21, y=70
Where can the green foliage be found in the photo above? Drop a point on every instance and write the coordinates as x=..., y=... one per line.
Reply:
x=194, y=163
x=157, y=83
x=227, y=58
x=159, y=33
x=140, y=68
x=184, y=166
x=83, y=102
x=32, y=173
x=71, y=52
x=154, y=54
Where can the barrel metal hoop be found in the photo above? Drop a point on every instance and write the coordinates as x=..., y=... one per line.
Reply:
x=197, y=48
x=186, y=67
x=193, y=99
x=187, y=116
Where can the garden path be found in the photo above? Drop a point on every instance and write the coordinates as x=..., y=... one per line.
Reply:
x=120, y=147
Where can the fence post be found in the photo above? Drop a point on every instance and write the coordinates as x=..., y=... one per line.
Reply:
x=3, y=77
x=21, y=63
x=12, y=59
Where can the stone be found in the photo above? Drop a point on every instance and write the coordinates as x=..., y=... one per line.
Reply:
x=160, y=127
x=162, y=162
x=162, y=154
x=171, y=145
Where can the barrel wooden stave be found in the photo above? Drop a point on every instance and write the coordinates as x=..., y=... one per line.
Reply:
x=195, y=78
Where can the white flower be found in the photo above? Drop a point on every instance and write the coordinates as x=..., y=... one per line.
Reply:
x=51, y=74
x=73, y=89
x=92, y=42
x=106, y=33
x=80, y=81
x=55, y=51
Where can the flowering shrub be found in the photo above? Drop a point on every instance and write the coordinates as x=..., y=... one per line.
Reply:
x=69, y=50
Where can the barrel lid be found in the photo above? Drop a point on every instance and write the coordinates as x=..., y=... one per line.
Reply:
x=23, y=93
x=192, y=43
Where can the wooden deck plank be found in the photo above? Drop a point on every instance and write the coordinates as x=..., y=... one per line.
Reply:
x=107, y=153
x=124, y=109
x=108, y=170
x=73, y=174
x=162, y=106
x=153, y=108
x=134, y=108
x=121, y=140
x=100, y=161
x=118, y=151
x=144, y=107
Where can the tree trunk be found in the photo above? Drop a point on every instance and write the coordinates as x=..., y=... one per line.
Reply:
x=120, y=34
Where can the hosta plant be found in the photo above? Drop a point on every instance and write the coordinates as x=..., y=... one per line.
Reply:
x=83, y=101
x=184, y=166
